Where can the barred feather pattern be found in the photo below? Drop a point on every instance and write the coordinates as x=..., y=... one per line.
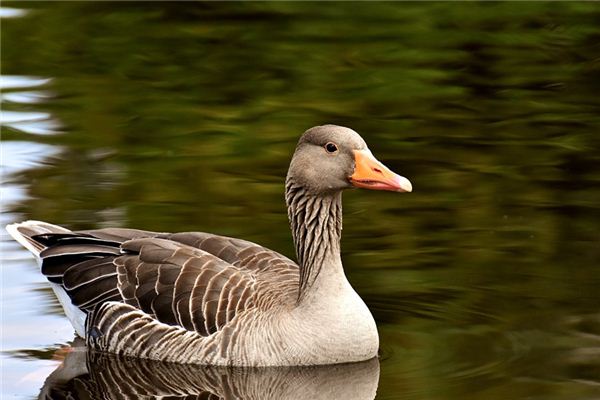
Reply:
x=210, y=294
x=183, y=304
x=316, y=224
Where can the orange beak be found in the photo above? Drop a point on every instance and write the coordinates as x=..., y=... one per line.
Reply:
x=371, y=174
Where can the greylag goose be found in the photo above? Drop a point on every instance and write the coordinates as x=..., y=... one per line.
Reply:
x=201, y=298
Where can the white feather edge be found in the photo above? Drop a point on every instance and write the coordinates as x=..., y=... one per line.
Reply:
x=12, y=230
x=74, y=314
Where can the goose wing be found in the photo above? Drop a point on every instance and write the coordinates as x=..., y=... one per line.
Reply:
x=194, y=280
x=182, y=285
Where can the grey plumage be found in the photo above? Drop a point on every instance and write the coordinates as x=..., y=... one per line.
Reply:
x=202, y=298
x=316, y=224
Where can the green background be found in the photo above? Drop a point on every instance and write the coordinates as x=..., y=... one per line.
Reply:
x=183, y=116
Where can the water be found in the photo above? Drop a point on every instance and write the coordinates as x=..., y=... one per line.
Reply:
x=171, y=117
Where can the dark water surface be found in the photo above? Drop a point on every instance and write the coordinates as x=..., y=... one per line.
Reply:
x=484, y=281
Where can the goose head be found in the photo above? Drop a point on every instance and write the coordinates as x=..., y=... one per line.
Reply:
x=330, y=158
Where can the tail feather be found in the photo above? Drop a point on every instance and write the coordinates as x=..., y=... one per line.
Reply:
x=23, y=232
x=30, y=234
x=79, y=265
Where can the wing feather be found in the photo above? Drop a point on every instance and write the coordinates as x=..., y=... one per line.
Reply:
x=194, y=280
x=88, y=272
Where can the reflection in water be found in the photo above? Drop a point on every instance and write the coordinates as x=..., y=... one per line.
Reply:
x=484, y=282
x=22, y=82
x=91, y=375
x=32, y=122
x=30, y=97
x=7, y=12
x=20, y=280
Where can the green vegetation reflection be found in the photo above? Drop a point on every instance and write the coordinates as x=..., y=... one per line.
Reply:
x=483, y=281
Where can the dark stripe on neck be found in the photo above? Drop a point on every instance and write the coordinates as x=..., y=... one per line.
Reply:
x=316, y=223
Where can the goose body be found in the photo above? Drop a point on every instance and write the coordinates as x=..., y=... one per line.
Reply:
x=196, y=297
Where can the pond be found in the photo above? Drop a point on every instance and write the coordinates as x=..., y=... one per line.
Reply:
x=183, y=117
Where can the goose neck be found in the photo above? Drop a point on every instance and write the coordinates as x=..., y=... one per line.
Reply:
x=316, y=224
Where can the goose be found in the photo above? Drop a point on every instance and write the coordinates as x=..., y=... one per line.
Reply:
x=201, y=298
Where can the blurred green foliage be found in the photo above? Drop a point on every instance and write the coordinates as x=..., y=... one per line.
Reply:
x=183, y=116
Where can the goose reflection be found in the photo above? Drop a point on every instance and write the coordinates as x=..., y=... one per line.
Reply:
x=90, y=375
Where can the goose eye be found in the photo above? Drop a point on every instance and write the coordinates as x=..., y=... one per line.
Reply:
x=331, y=147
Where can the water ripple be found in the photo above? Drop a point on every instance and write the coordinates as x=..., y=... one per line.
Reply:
x=22, y=82
x=31, y=122
x=27, y=97
x=9, y=12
